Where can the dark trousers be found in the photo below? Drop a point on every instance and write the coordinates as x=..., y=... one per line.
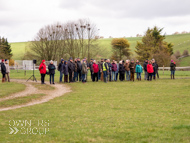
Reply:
x=149, y=76
x=95, y=76
x=3, y=75
x=109, y=75
x=116, y=76
x=70, y=76
x=65, y=78
x=75, y=78
x=51, y=78
x=132, y=78
x=43, y=78
x=122, y=77
x=79, y=75
x=91, y=75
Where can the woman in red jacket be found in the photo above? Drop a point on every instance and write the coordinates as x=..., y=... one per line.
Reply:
x=95, y=71
x=150, y=70
x=42, y=69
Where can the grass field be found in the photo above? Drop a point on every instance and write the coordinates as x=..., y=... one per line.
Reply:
x=156, y=111
x=181, y=42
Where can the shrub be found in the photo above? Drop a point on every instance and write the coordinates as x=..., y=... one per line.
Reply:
x=177, y=54
x=185, y=53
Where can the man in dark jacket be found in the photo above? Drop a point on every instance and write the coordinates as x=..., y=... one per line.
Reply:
x=60, y=69
x=155, y=67
x=132, y=70
x=109, y=69
x=121, y=71
x=75, y=78
x=145, y=69
x=90, y=67
x=66, y=72
x=51, y=68
x=70, y=69
x=79, y=68
x=3, y=70
x=172, y=69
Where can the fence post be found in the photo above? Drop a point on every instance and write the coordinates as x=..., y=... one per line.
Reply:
x=163, y=69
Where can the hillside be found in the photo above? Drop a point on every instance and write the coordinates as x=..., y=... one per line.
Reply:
x=181, y=42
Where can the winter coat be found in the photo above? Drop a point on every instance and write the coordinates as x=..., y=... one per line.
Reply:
x=51, y=68
x=155, y=67
x=132, y=67
x=99, y=66
x=7, y=68
x=150, y=68
x=60, y=66
x=90, y=66
x=172, y=67
x=121, y=68
x=126, y=65
x=65, y=69
x=114, y=67
x=79, y=66
x=3, y=68
x=70, y=67
x=84, y=68
x=145, y=66
x=42, y=68
x=110, y=67
x=75, y=66
x=95, y=68
x=138, y=69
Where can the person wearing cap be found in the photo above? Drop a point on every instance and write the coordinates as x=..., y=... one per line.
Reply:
x=51, y=68
x=132, y=70
x=145, y=69
x=42, y=69
x=105, y=69
x=7, y=77
x=70, y=70
x=60, y=69
x=3, y=70
x=172, y=69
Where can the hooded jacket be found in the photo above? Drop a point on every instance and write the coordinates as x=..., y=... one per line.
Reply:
x=60, y=67
x=42, y=67
x=51, y=68
x=172, y=67
x=7, y=68
x=139, y=69
x=150, y=68
x=3, y=68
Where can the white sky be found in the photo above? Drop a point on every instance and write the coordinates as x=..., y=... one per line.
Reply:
x=20, y=20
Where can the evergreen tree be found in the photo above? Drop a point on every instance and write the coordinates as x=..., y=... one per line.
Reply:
x=5, y=49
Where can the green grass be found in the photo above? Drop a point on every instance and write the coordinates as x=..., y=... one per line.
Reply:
x=177, y=40
x=20, y=100
x=156, y=111
x=8, y=88
x=185, y=61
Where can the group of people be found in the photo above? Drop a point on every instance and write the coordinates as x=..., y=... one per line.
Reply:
x=5, y=70
x=77, y=70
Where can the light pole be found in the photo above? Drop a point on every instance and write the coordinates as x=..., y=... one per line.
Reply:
x=88, y=29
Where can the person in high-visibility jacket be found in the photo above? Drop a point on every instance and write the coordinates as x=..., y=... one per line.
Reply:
x=105, y=69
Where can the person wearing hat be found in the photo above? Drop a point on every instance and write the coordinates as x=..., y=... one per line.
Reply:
x=42, y=69
x=51, y=68
x=3, y=70
x=60, y=69
x=7, y=71
x=172, y=69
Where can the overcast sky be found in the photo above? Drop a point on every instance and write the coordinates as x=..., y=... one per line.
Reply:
x=20, y=20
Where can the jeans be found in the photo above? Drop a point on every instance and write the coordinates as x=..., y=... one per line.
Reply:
x=172, y=72
x=95, y=76
x=138, y=75
x=51, y=79
x=61, y=77
x=42, y=78
x=127, y=75
x=109, y=75
x=145, y=75
x=79, y=75
x=149, y=76
x=116, y=76
x=83, y=77
x=105, y=74
x=75, y=76
x=113, y=75
x=99, y=75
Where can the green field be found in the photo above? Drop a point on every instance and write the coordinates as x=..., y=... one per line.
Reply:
x=177, y=40
x=185, y=61
x=139, y=111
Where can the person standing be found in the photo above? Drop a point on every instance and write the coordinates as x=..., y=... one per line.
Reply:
x=79, y=68
x=132, y=70
x=114, y=69
x=70, y=69
x=155, y=68
x=117, y=71
x=145, y=69
x=3, y=70
x=7, y=77
x=90, y=67
x=127, y=70
x=100, y=68
x=172, y=69
x=65, y=72
x=60, y=69
x=138, y=70
x=109, y=69
x=102, y=74
x=42, y=69
x=51, y=68
x=75, y=71
x=95, y=71
x=121, y=71
x=84, y=71
x=150, y=71
x=105, y=70
x=137, y=61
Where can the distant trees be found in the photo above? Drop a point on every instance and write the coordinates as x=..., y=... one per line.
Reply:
x=5, y=49
x=72, y=39
x=120, y=48
x=154, y=46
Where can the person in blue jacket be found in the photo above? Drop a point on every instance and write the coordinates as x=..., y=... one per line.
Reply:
x=138, y=70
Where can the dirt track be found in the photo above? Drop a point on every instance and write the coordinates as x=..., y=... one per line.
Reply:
x=59, y=90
